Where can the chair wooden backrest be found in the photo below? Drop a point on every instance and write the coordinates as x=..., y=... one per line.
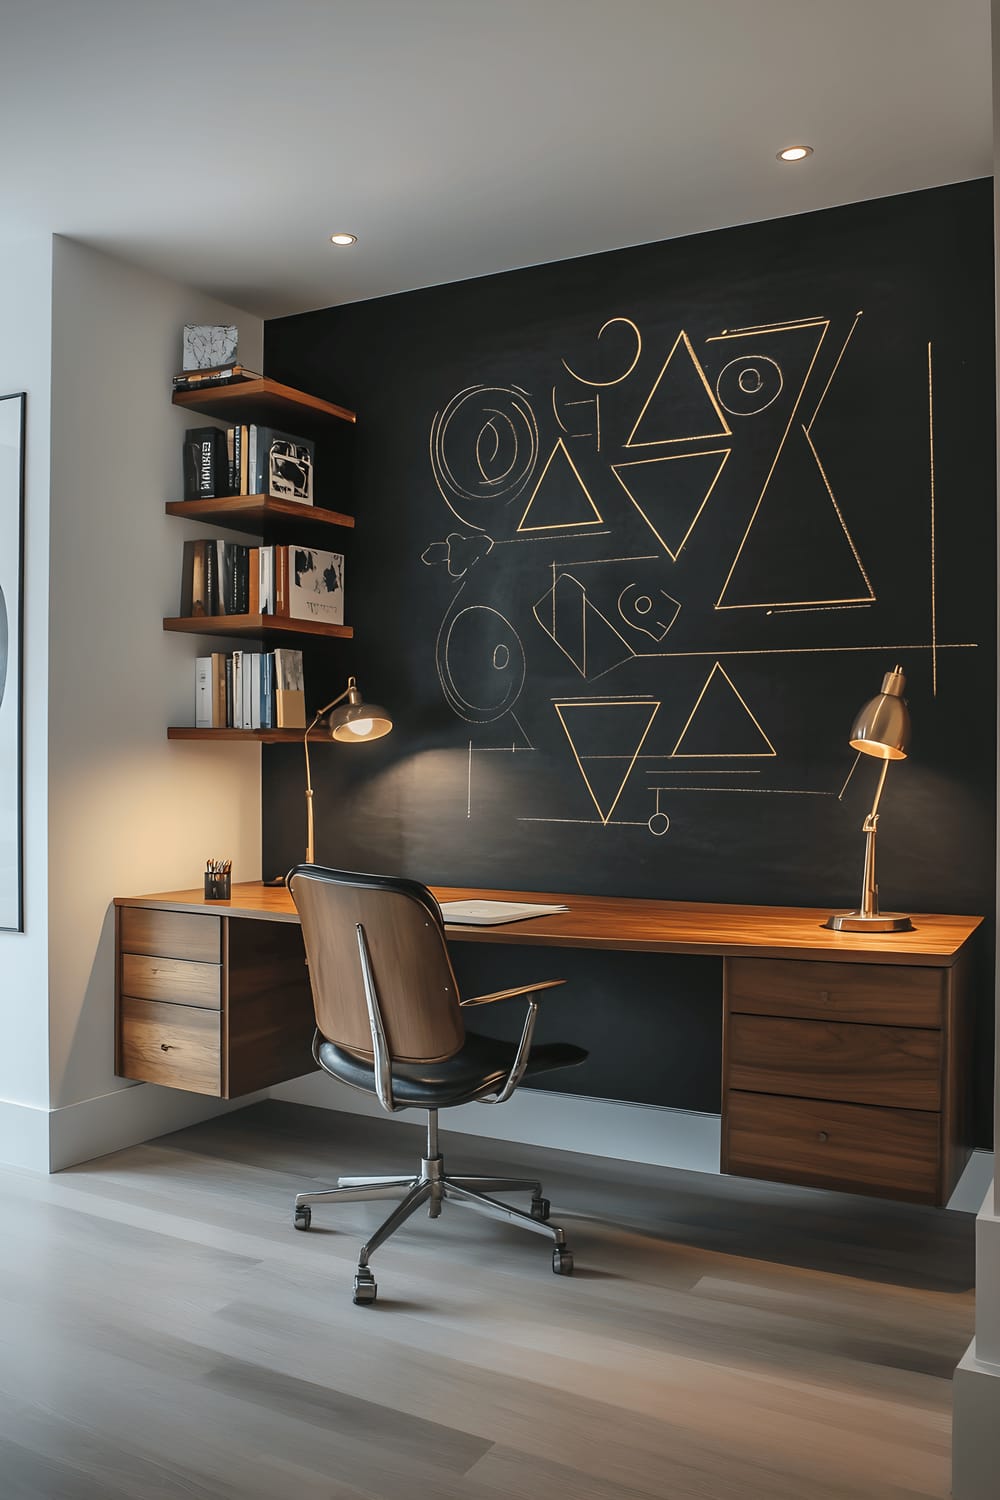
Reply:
x=417, y=992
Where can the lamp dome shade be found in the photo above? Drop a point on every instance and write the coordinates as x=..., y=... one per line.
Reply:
x=882, y=727
x=357, y=720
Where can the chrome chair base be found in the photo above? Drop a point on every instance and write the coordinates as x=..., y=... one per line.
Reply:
x=435, y=1187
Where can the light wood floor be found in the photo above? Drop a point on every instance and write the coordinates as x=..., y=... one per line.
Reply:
x=166, y=1335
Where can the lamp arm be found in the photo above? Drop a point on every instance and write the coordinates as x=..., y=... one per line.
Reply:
x=310, y=842
x=869, y=885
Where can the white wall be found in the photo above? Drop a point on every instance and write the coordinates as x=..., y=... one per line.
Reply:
x=25, y=342
x=976, y=1425
x=129, y=812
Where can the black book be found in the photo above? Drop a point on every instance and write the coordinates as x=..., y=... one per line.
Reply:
x=205, y=463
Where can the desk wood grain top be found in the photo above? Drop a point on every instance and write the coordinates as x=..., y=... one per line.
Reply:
x=641, y=926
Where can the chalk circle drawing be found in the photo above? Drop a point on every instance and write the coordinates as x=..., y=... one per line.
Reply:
x=4, y=636
x=617, y=379
x=658, y=824
x=749, y=384
x=459, y=553
x=480, y=662
x=606, y=736
x=640, y=611
x=483, y=451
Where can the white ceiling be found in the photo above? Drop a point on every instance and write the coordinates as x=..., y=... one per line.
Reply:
x=222, y=141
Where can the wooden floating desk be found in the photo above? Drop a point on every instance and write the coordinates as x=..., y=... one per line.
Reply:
x=846, y=1056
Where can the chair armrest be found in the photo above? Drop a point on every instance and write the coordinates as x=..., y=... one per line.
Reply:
x=521, y=989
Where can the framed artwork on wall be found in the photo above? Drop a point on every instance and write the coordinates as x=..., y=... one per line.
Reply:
x=12, y=412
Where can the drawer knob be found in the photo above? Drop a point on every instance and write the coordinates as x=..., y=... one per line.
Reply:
x=824, y=994
x=823, y=1135
x=164, y=1047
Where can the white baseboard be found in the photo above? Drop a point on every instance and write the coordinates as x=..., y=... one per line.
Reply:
x=24, y=1136
x=975, y=1461
x=43, y=1140
x=567, y=1122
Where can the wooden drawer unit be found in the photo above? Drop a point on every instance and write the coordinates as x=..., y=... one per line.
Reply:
x=873, y=994
x=892, y=1152
x=212, y=1004
x=177, y=1045
x=888, y=1065
x=846, y=1075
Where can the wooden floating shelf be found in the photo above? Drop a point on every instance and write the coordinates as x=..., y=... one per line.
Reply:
x=261, y=627
x=260, y=736
x=256, y=513
x=265, y=401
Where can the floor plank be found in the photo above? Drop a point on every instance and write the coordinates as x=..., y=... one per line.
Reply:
x=165, y=1333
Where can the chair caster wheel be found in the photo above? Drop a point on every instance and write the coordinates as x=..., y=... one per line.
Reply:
x=540, y=1209
x=562, y=1261
x=365, y=1290
x=303, y=1217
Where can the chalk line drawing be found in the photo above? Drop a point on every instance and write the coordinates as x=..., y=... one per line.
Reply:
x=671, y=510
x=682, y=384
x=832, y=549
x=628, y=720
x=480, y=662
x=728, y=717
x=626, y=372
x=459, y=553
x=930, y=443
x=565, y=496
x=659, y=822
x=584, y=635
x=483, y=451
x=593, y=401
x=751, y=382
x=654, y=613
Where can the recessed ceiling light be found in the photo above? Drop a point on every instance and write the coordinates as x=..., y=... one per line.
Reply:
x=795, y=153
x=343, y=239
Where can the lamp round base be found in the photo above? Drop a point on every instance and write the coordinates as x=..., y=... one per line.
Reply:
x=856, y=921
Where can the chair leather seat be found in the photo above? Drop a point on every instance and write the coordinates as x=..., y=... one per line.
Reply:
x=480, y=1067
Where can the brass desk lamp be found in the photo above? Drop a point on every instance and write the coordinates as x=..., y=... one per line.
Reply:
x=881, y=729
x=353, y=723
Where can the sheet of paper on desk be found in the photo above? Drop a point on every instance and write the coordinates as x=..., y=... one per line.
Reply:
x=492, y=913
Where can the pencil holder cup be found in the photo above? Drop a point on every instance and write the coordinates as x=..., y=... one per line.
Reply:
x=218, y=887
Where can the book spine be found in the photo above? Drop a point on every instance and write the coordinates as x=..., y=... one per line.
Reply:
x=199, y=463
x=255, y=690
x=218, y=690
x=230, y=713
x=253, y=582
x=252, y=466
x=281, y=580
x=203, y=692
x=237, y=689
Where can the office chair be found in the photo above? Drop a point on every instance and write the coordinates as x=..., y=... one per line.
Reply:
x=389, y=1020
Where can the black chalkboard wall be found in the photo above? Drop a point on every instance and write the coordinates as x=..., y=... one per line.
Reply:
x=637, y=535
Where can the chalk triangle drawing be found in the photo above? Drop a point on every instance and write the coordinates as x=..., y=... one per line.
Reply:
x=579, y=628
x=796, y=548
x=670, y=493
x=681, y=404
x=560, y=499
x=720, y=723
x=606, y=736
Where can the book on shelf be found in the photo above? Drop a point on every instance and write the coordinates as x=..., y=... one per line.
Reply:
x=205, y=465
x=281, y=465
x=194, y=594
x=309, y=584
x=289, y=690
x=247, y=690
x=193, y=380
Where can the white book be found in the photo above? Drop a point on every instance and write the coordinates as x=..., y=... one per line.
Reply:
x=315, y=585
x=203, y=692
x=255, y=690
x=237, y=689
x=493, y=913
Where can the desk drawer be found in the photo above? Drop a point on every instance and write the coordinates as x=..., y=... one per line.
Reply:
x=896, y=1066
x=878, y=994
x=176, y=1045
x=171, y=934
x=171, y=979
x=853, y=1147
